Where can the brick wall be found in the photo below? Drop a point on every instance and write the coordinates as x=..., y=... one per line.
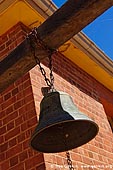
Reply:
x=20, y=110
x=86, y=93
x=17, y=115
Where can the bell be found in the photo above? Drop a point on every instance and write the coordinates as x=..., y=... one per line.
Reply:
x=61, y=125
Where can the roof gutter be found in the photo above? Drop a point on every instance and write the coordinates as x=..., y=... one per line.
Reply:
x=45, y=7
x=93, y=52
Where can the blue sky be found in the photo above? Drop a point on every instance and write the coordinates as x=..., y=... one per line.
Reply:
x=99, y=31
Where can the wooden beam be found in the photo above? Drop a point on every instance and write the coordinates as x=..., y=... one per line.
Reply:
x=67, y=21
x=18, y=62
x=70, y=19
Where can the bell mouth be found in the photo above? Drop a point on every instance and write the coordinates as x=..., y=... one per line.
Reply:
x=64, y=136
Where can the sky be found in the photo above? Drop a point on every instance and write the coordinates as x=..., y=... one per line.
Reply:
x=100, y=31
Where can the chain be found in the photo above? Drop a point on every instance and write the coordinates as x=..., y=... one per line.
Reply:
x=34, y=35
x=69, y=161
x=51, y=72
x=42, y=71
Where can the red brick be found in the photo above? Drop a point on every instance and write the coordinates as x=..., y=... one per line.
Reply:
x=87, y=160
x=24, y=126
x=29, y=133
x=26, y=77
x=59, y=160
x=2, y=47
x=12, y=45
x=9, y=110
x=19, y=34
x=18, y=104
x=30, y=152
x=20, y=95
x=29, y=98
x=27, y=83
x=10, y=117
x=12, y=142
x=20, y=39
x=1, y=139
x=2, y=130
x=22, y=110
x=13, y=151
x=2, y=156
x=100, y=158
x=49, y=158
x=21, y=137
x=15, y=91
x=13, y=161
x=4, y=52
x=19, y=82
x=32, y=122
x=34, y=161
x=8, y=43
x=19, y=166
x=2, y=115
x=28, y=91
x=29, y=106
x=1, y=98
x=49, y=166
x=41, y=167
x=5, y=165
x=18, y=121
x=10, y=125
x=25, y=144
x=3, y=38
x=90, y=154
x=23, y=156
x=9, y=102
x=4, y=147
x=12, y=133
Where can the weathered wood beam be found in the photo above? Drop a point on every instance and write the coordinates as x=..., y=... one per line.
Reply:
x=70, y=19
x=67, y=21
x=18, y=62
